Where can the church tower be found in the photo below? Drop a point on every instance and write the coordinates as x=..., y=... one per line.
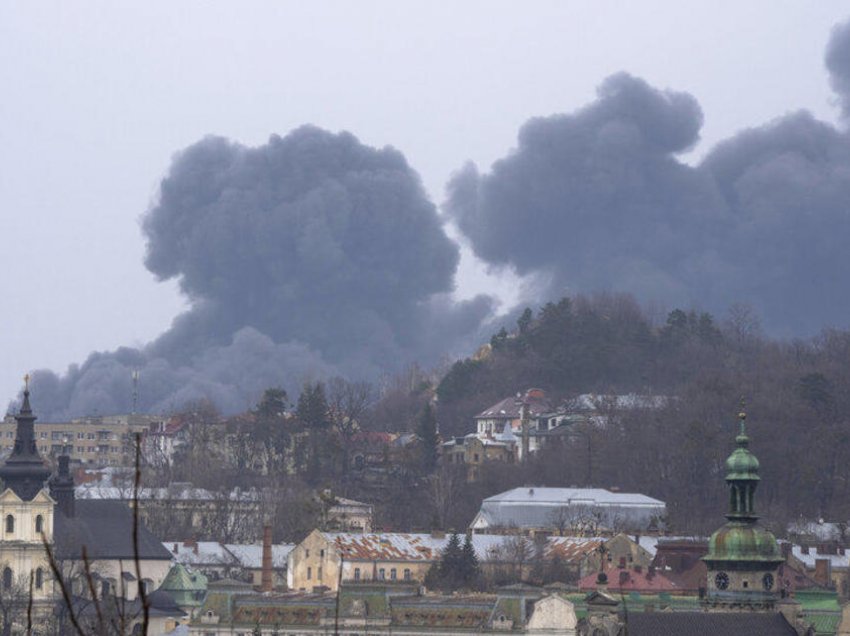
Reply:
x=742, y=556
x=24, y=471
x=26, y=516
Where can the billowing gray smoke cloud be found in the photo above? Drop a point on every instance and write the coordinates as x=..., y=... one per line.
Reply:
x=838, y=64
x=310, y=255
x=597, y=200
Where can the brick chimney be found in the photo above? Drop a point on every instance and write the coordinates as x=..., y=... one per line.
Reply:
x=266, y=580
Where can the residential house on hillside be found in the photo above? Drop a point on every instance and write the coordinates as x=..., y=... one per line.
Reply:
x=519, y=426
x=569, y=511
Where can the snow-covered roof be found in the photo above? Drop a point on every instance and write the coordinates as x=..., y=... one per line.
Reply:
x=251, y=555
x=550, y=507
x=393, y=546
x=200, y=553
x=96, y=491
x=837, y=561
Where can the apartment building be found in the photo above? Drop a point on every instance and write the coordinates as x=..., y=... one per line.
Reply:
x=96, y=441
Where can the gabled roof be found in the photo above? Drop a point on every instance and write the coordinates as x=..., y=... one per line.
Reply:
x=509, y=408
x=251, y=555
x=181, y=579
x=105, y=529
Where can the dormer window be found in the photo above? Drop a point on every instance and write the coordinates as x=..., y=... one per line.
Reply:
x=10, y=524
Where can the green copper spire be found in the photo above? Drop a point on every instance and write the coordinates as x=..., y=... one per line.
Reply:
x=742, y=540
x=742, y=470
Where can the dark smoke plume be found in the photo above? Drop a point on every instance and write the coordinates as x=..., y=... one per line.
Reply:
x=838, y=65
x=310, y=255
x=598, y=200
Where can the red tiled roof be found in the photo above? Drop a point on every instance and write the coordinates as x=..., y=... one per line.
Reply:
x=631, y=580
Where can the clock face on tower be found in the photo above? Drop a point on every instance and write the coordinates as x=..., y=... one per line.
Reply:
x=721, y=580
x=767, y=581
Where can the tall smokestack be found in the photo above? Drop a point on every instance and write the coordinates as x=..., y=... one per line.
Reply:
x=266, y=580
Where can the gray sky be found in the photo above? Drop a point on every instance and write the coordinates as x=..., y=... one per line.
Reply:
x=97, y=96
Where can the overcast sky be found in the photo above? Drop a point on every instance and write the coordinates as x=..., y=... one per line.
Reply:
x=95, y=97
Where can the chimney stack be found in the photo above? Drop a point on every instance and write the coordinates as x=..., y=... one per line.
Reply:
x=62, y=487
x=266, y=580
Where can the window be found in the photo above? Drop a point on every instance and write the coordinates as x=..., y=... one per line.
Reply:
x=39, y=578
x=81, y=435
x=307, y=553
x=104, y=589
x=406, y=574
x=39, y=524
x=81, y=449
x=10, y=434
x=322, y=553
x=10, y=524
x=7, y=577
x=43, y=435
x=475, y=457
x=309, y=573
x=393, y=574
x=382, y=574
x=356, y=574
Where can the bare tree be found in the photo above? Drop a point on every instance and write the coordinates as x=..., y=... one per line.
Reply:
x=348, y=402
x=445, y=487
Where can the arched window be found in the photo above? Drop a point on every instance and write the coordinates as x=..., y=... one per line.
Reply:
x=7, y=577
x=10, y=523
x=39, y=577
x=39, y=524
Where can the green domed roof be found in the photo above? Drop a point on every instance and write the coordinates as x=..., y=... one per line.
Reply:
x=742, y=464
x=738, y=541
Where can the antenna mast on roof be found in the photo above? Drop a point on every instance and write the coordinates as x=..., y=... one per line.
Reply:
x=135, y=376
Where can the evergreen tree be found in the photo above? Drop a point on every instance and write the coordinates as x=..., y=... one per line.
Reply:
x=312, y=411
x=427, y=431
x=524, y=321
x=469, y=568
x=450, y=564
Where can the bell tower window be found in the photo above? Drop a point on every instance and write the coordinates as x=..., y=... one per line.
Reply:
x=39, y=524
x=10, y=524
